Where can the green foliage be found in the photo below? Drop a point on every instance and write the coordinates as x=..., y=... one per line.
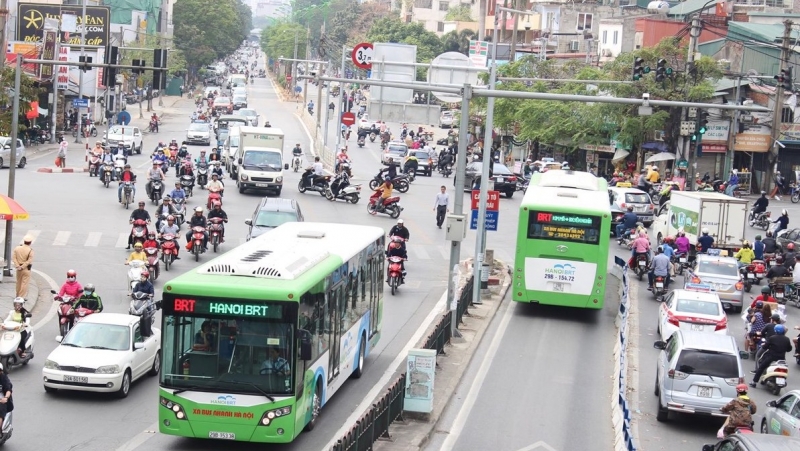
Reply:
x=460, y=13
x=28, y=91
x=392, y=29
x=278, y=40
x=458, y=41
x=207, y=31
x=175, y=59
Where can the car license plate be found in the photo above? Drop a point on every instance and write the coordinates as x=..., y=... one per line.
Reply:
x=751, y=275
x=222, y=435
x=704, y=392
x=262, y=185
x=659, y=285
x=697, y=327
x=683, y=259
x=558, y=286
x=780, y=381
x=79, y=379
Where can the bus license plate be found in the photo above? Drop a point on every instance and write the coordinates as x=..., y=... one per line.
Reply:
x=780, y=381
x=558, y=286
x=222, y=435
x=78, y=379
x=262, y=185
x=704, y=392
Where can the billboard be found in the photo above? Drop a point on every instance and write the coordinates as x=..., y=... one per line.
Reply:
x=48, y=53
x=384, y=54
x=31, y=18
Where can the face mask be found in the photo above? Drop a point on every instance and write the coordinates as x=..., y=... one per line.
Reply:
x=71, y=279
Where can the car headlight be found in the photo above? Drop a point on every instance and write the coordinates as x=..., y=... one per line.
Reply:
x=279, y=179
x=108, y=369
x=51, y=365
x=244, y=177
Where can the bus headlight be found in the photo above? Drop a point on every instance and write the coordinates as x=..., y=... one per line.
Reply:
x=176, y=408
x=270, y=415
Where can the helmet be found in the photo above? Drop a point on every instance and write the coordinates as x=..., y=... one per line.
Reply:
x=776, y=317
x=779, y=259
x=765, y=290
x=19, y=300
x=741, y=388
x=668, y=239
x=72, y=273
x=127, y=166
x=170, y=218
x=759, y=304
x=758, y=237
x=151, y=234
x=217, y=204
x=784, y=212
x=145, y=273
x=198, y=210
x=400, y=221
x=705, y=231
x=763, y=193
x=790, y=246
x=745, y=243
x=167, y=199
x=780, y=329
x=137, y=246
x=89, y=288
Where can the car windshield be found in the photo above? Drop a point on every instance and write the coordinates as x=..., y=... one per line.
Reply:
x=222, y=100
x=697, y=307
x=708, y=363
x=198, y=127
x=116, y=130
x=718, y=268
x=637, y=198
x=99, y=336
x=240, y=99
x=422, y=155
x=234, y=142
x=246, y=112
x=271, y=218
x=397, y=150
x=266, y=161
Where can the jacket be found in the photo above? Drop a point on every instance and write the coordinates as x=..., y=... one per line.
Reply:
x=641, y=245
x=745, y=255
x=6, y=386
x=777, y=346
x=92, y=302
x=402, y=232
x=197, y=221
x=22, y=257
x=770, y=245
x=683, y=245
x=144, y=287
x=758, y=250
x=740, y=411
x=73, y=289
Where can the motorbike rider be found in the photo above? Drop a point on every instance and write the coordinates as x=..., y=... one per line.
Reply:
x=218, y=212
x=705, y=241
x=154, y=173
x=745, y=254
x=446, y=160
x=126, y=176
x=17, y=316
x=390, y=170
x=341, y=158
x=760, y=205
x=411, y=164
x=782, y=222
x=202, y=160
x=660, y=268
x=777, y=270
x=154, y=122
x=789, y=256
x=144, y=285
x=758, y=248
x=733, y=182
x=164, y=210
x=775, y=348
x=770, y=245
x=396, y=250
x=150, y=242
x=317, y=170
x=215, y=185
x=89, y=299
x=401, y=230
x=137, y=254
x=757, y=323
x=71, y=287
x=641, y=182
x=138, y=214
x=216, y=169
x=170, y=228
x=178, y=194
x=740, y=412
x=161, y=159
x=297, y=151
x=765, y=296
x=183, y=151
x=640, y=246
x=385, y=191
x=628, y=222
x=682, y=243
x=198, y=220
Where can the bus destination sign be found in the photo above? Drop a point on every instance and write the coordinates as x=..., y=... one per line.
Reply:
x=195, y=306
x=564, y=227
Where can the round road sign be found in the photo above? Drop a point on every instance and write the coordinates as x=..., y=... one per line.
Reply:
x=348, y=119
x=362, y=55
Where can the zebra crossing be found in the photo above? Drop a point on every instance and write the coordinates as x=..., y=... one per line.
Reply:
x=64, y=238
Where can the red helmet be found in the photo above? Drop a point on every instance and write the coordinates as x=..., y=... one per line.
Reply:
x=217, y=203
x=790, y=246
x=668, y=239
x=741, y=388
x=145, y=273
x=72, y=273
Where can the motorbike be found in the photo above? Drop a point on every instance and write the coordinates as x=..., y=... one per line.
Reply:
x=774, y=378
x=187, y=182
x=748, y=276
x=139, y=231
x=447, y=169
x=395, y=272
x=142, y=305
x=186, y=167
x=770, y=260
x=107, y=174
x=659, y=288
x=340, y=188
x=198, y=237
x=296, y=161
x=94, y=165
x=215, y=232
x=180, y=211
x=321, y=184
x=760, y=220
x=66, y=315
x=119, y=166
x=153, y=127
x=135, y=273
x=361, y=141
x=778, y=292
x=795, y=196
x=153, y=265
x=372, y=137
x=169, y=250
x=681, y=263
x=156, y=190
x=9, y=342
x=81, y=313
x=213, y=196
x=127, y=194
x=640, y=267
x=400, y=183
x=391, y=206
x=202, y=175
x=626, y=239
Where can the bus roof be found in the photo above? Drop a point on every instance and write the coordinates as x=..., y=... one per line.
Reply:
x=558, y=190
x=569, y=179
x=280, y=260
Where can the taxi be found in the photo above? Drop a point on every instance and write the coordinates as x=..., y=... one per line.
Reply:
x=694, y=308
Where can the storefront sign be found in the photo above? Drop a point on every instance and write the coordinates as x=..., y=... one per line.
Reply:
x=600, y=148
x=752, y=142
x=716, y=133
x=31, y=17
x=62, y=72
x=713, y=148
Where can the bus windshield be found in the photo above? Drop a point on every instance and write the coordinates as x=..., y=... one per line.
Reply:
x=241, y=354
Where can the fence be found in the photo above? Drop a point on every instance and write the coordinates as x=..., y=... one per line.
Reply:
x=620, y=411
x=374, y=424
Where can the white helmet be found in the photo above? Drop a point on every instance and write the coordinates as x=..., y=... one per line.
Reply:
x=19, y=300
x=784, y=212
x=705, y=231
x=400, y=221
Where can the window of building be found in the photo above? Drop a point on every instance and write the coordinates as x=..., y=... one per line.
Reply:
x=443, y=6
x=440, y=26
x=584, y=22
x=605, y=36
x=615, y=39
x=423, y=4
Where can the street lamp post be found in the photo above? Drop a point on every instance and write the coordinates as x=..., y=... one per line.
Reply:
x=78, y=138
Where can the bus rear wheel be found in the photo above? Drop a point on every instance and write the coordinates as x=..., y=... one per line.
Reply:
x=316, y=405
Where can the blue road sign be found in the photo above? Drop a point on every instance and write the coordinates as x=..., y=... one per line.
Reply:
x=123, y=118
x=80, y=103
x=491, y=220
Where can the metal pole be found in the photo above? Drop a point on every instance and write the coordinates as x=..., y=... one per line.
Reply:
x=732, y=133
x=327, y=112
x=3, y=23
x=694, y=34
x=341, y=103
x=778, y=107
x=12, y=159
x=458, y=202
x=487, y=150
x=54, y=124
x=294, y=66
x=308, y=71
x=78, y=138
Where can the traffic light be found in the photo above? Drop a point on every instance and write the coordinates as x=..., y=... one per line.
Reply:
x=160, y=76
x=138, y=63
x=84, y=60
x=785, y=79
x=661, y=70
x=702, y=122
x=110, y=73
x=639, y=69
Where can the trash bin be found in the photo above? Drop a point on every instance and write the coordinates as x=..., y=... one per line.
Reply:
x=485, y=270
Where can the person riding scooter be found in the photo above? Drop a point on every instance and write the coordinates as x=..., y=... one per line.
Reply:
x=411, y=164
x=660, y=268
x=71, y=287
x=396, y=250
x=17, y=316
x=775, y=348
x=89, y=299
x=740, y=412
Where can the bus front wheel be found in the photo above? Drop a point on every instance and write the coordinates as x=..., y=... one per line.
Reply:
x=316, y=405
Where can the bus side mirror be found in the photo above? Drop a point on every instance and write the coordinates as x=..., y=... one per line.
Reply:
x=305, y=345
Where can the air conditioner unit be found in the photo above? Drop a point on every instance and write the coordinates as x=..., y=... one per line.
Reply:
x=658, y=135
x=607, y=53
x=574, y=46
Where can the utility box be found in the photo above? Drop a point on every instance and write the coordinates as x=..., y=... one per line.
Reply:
x=455, y=227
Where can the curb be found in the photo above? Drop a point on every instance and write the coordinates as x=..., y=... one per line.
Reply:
x=61, y=170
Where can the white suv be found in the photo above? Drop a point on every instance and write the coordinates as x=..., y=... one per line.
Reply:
x=130, y=136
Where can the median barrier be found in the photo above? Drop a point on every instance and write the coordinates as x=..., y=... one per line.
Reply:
x=620, y=412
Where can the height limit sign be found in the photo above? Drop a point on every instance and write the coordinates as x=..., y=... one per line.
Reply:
x=362, y=55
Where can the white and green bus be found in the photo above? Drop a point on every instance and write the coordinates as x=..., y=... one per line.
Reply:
x=256, y=341
x=562, y=240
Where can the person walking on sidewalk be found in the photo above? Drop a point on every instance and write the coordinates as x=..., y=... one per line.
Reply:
x=440, y=206
x=22, y=257
x=62, y=154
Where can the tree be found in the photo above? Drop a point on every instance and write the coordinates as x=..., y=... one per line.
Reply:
x=28, y=91
x=460, y=13
x=458, y=41
x=392, y=29
x=206, y=31
x=278, y=40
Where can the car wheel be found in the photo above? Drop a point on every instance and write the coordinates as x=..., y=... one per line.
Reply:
x=125, y=386
x=764, y=429
x=736, y=309
x=1, y=163
x=22, y=163
x=509, y=194
x=156, y=365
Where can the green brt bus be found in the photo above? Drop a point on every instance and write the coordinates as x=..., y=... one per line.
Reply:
x=256, y=341
x=562, y=240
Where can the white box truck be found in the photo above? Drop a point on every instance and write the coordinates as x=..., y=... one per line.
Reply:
x=724, y=217
x=260, y=160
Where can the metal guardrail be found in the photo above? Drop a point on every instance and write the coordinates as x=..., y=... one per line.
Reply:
x=374, y=424
x=620, y=410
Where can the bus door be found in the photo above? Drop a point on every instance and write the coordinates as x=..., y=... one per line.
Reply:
x=334, y=330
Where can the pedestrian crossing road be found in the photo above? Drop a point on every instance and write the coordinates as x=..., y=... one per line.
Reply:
x=65, y=238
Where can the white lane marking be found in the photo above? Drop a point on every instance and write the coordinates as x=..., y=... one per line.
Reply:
x=140, y=438
x=420, y=253
x=122, y=241
x=34, y=234
x=368, y=399
x=477, y=383
x=53, y=308
x=62, y=238
x=539, y=444
x=93, y=239
x=445, y=251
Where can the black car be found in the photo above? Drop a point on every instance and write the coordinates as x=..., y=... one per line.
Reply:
x=504, y=180
x=788, y=236
x=755, y=442
x=272, y=212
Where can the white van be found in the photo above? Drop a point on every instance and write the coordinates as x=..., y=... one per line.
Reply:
x=230, y=152
x=260, y=160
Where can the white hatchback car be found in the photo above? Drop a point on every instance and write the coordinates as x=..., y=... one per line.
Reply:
x=695, y=308
x=105, y=352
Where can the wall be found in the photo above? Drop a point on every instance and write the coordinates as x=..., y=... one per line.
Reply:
x=404, y=112
x=608, y=45
x=431, y=15
x=654, y=30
